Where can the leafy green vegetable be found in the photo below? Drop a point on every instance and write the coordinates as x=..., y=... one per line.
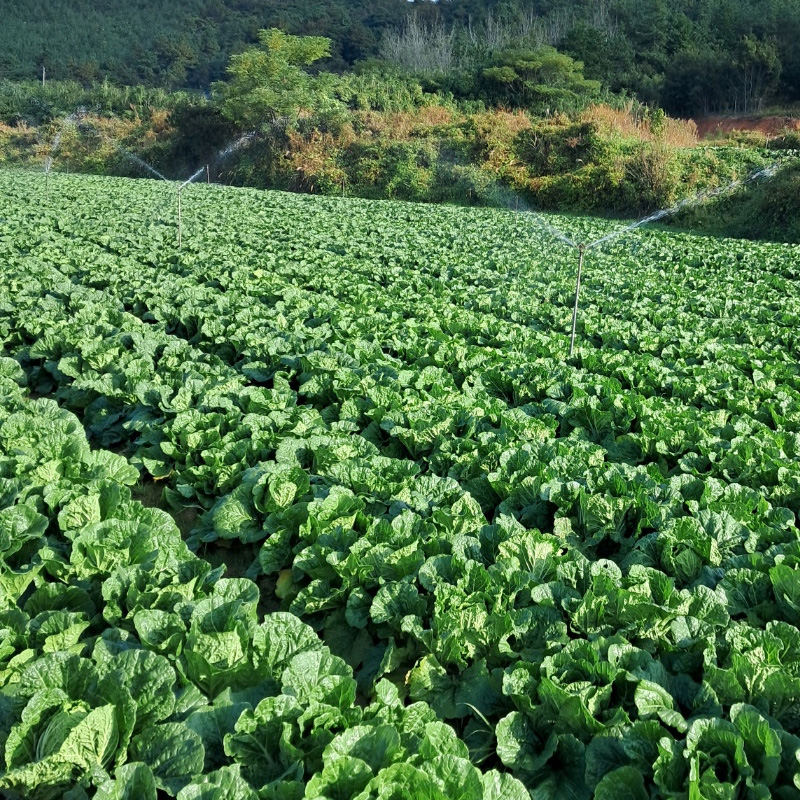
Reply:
x=466, y=549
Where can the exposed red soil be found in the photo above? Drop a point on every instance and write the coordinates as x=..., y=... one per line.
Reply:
x=769, y=126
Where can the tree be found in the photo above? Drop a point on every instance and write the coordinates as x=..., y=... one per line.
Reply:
x=268, y=84
x=607, y=56
x=696, y=83
x=420, y=48
x=541, y=80
x=757, y=73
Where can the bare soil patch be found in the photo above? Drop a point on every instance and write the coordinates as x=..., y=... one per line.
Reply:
x=768, y=126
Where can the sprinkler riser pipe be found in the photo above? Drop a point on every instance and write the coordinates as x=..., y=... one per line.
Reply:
x=581, y=254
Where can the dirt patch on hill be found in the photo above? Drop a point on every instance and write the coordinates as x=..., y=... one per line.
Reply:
x=768, y=126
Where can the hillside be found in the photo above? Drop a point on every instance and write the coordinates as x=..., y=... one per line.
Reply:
x=137, y=42
x=708, y=55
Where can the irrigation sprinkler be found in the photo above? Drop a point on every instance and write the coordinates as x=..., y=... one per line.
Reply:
x=537, y=219
x=581, y=254
x=688, y=202
x=77, y=115
x=181, y=187
x=206, y=168
x=180, y=218
x=692, y=201
x=48, y=165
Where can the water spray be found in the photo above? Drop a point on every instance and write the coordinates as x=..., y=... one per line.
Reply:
x=206, y=168
x=48, y=163
x=538, y=219
x=180, y=189
x=688, y=202
x=141, y=162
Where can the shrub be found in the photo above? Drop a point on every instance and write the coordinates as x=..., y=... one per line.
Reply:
x=559, y=145
x=653, y=173
x=765, y=210
x=462, y=183
x=788, y=139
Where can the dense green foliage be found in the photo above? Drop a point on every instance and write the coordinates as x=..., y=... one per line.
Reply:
x=417, y=147
x=541, y=80
x=770, y=210
x=190, y=44
x=128, y=667
x=690, y=57
x=268, y=83
x=470, y=116
x=587, y=568
x=31, y=104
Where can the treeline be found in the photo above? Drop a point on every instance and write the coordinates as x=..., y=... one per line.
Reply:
x=523, y=124
x=180, y=44
x=688, y=56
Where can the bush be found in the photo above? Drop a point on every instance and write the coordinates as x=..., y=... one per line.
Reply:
x=787, y=140
x=594, y=188
x=33, y=104
x=464, y=184
x=382, y=89
x=764, y=210
x=559, y=145
x=653, y=173
x=200, y=132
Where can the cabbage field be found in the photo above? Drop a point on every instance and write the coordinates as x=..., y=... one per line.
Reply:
x=318, y=506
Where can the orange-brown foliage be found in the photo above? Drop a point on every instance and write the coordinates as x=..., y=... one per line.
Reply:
x=313, y=158
x=629, y=124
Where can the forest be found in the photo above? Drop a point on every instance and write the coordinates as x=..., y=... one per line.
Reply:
x=688, y=56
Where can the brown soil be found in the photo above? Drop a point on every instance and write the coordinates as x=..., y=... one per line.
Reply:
x=149, y=493
x=768, y=126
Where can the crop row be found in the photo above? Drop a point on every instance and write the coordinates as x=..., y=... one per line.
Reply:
x=129, y=666
x=607, y=601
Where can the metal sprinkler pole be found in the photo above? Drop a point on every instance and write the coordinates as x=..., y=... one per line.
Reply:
x=180, y=220
x=581, y=252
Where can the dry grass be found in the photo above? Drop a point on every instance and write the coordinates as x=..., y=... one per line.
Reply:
x=494, y=133
x=313, y=158
x=500, y=125
x=19, y=144
x=399, y=125
x=21, y=129
x=159, y=120
x=627, y=123
x=433, y=116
